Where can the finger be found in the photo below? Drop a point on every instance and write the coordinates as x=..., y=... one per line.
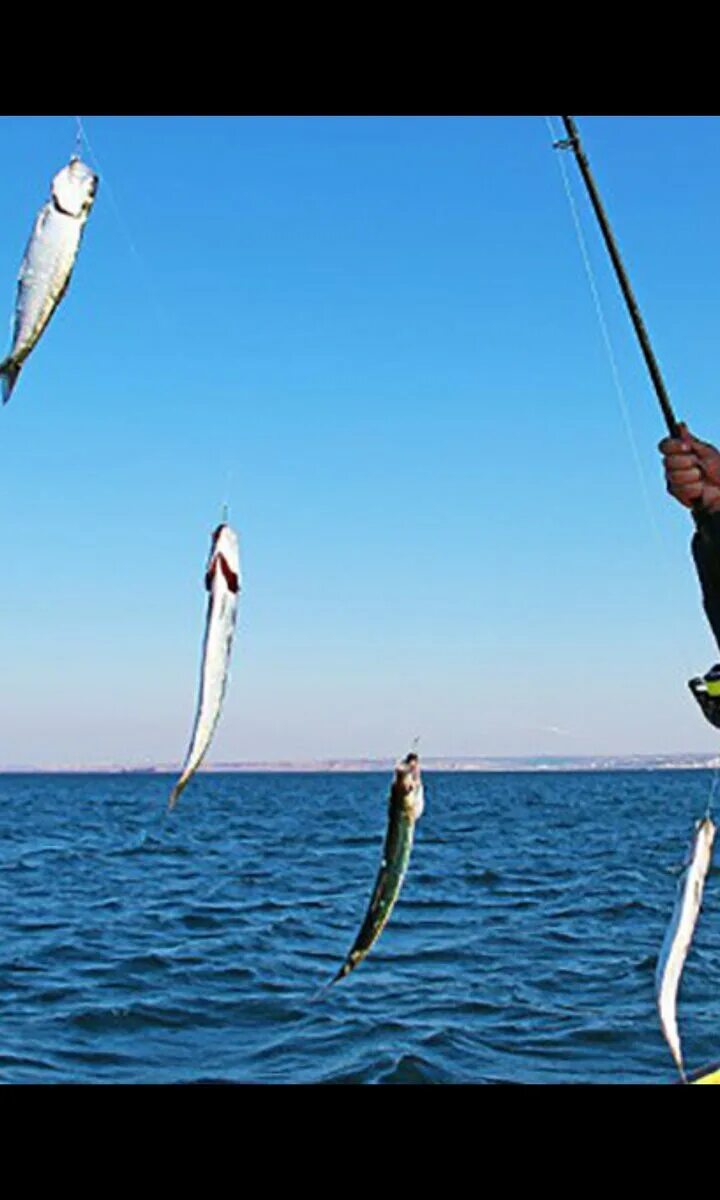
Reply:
x=687, y=495
x=674, y=446
x=687, y=436
x=681, y=462
x=680, y=479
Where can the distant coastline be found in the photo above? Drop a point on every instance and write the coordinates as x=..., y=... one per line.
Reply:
x=534, y=763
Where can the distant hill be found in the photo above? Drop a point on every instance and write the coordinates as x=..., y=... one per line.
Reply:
x=621, y=762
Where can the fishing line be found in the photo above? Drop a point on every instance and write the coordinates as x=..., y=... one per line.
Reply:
x=225, y=507
x=620, y=391
x=622, y=400
x=658, y=534
x=713, y=789
x=161, y=313
x=160, y=310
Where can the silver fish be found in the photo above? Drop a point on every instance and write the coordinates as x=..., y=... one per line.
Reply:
x=222, y=580
x=679, y=934
x=48, y=263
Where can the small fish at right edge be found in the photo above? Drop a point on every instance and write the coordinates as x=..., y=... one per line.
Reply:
x=679, y=934
x=406, y=804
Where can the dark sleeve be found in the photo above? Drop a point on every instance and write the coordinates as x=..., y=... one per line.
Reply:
x=706, y=553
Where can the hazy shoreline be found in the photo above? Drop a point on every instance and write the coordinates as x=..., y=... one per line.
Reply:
x=534, y=763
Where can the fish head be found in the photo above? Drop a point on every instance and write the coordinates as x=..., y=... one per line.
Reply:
x=224, y=557
x=74, y=188
x=407, y=777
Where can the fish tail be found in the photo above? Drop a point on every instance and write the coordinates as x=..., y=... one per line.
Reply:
x=175, y=793
x=349, y=965
x=344, y=970
x=322, y=989
x=9, y=371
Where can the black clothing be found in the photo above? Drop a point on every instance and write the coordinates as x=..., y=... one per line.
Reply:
x=706, y=552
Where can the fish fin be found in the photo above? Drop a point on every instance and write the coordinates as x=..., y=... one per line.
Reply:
x=9, y=371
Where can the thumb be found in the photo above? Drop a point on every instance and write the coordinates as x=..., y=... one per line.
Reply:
x=684, y=435
x=702, y=449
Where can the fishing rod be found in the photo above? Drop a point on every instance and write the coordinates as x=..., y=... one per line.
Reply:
x=706, y=691
x=572, y=142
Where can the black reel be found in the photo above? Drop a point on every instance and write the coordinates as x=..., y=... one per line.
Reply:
x=706, y=691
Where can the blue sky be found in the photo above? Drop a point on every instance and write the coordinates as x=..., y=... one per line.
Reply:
x=374, y=335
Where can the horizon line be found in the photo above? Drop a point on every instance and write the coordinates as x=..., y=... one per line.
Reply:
x=459, y=762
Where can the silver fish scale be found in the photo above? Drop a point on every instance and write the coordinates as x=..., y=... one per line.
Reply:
x=44, y=274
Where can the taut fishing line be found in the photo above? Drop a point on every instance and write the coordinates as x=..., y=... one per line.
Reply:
x=620, y=391
x=161, y=312
x=658, y=534
x=225, y=507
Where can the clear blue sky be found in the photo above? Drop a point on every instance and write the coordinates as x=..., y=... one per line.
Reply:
x=380, y=330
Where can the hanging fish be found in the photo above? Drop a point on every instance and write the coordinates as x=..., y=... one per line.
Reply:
x=222, y=580
x=679, y=934
x=48, y=263
x=406, y=805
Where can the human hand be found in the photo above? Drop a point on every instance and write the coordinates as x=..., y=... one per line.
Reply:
x=692, y=470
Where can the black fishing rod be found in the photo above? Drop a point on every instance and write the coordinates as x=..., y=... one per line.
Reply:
x=573, y=143
x=706, y=542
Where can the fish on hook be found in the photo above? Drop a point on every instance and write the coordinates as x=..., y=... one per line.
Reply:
x=222, y=580
x=406, y=805
x=48, y=263
x=679, y=934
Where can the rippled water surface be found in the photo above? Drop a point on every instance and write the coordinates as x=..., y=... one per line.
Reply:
x=148, y=950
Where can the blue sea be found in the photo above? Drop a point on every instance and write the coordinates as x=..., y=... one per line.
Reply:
x=143, y=948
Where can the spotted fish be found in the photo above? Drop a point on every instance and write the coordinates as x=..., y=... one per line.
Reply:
x=406, y=805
